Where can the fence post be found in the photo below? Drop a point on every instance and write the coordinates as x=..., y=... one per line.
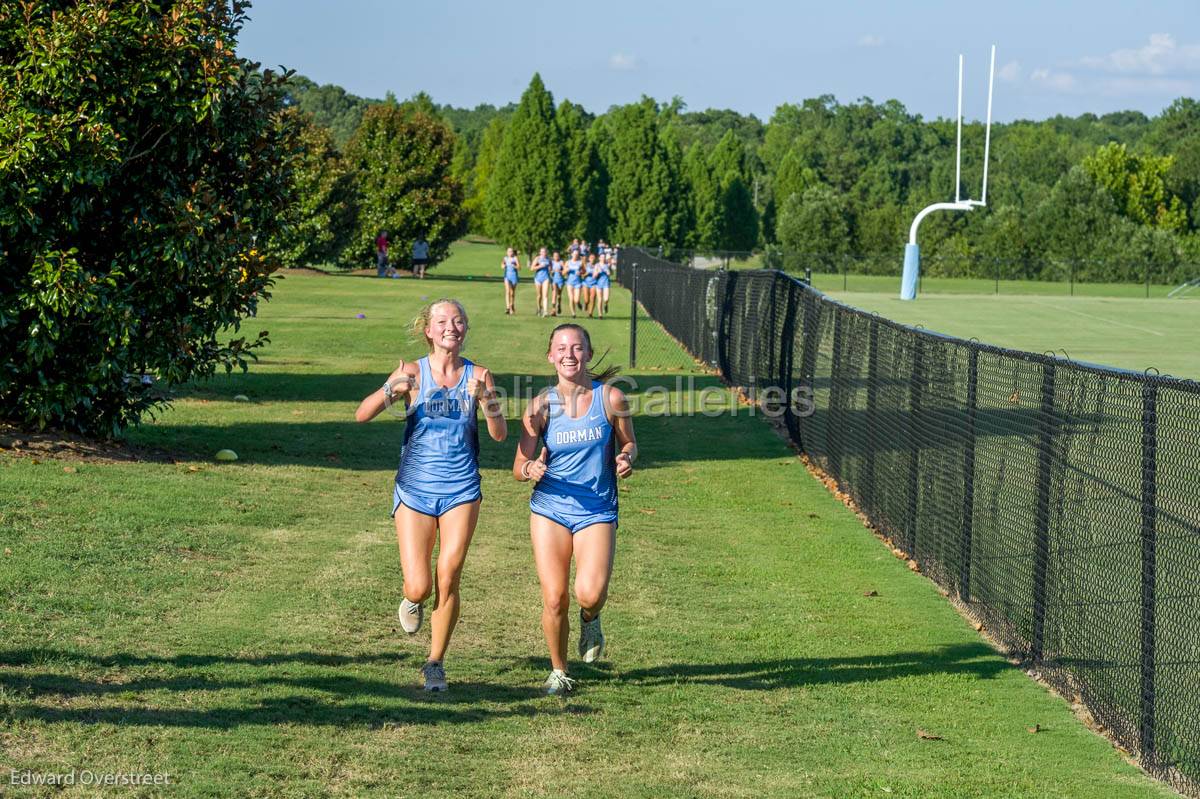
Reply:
x=787, y=361
x=1147, y=279
x=1149, y=558
x=812, y=329
x=914, y=444
x=834, y=430
x=1041, y=551
x=723, y=364
x=633, y=315
x=868, y=489
x=968, y=512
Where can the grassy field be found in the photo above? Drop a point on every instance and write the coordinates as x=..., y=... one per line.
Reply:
x=1124, y=332
x=233, y=625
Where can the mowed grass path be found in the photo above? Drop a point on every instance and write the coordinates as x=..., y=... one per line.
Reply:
x=233, y=625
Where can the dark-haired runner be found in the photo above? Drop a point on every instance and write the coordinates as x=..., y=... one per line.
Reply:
x=588, y=440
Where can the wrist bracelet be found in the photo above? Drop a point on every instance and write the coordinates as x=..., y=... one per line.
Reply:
x=387, y=390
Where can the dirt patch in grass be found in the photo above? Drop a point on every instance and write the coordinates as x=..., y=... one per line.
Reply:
x=61, y=445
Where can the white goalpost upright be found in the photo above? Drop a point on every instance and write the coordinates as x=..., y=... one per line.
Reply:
x=912, y=253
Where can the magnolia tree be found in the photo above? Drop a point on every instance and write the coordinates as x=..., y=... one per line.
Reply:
x=140, y=160
x=401, y=157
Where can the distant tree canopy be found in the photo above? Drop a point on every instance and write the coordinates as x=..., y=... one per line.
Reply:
x=401, y=157
x=319, y=224
x=717, y=179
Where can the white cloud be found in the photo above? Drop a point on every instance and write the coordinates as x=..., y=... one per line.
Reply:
x=1010, y=72
x=1056, y=81
x=622, y=62
x=870, y=40
x=1161, y=55
x=1126, y=86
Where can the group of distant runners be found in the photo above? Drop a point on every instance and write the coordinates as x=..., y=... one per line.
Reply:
x=587, y=442
x=585, y=277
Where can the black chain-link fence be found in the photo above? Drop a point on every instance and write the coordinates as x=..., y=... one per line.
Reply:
x=1059, y=502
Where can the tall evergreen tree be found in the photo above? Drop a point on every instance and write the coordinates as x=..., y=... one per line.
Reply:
x=703, y=192
x=738, y=220
x=529, y=194
x=646, y=200
x=736, y=216
x=590, y=217
x=485, y=164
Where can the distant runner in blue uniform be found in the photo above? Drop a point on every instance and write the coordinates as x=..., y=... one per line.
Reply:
x=511, y=265
x=541, y=281
x=437, y=488
x=589, y=284
x=588, y=443
x=575, y=270
x=603, y=284
x=557, y=281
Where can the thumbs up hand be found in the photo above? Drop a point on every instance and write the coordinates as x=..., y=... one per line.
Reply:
x=400, y=380
x=536, y=469
x=477, y=386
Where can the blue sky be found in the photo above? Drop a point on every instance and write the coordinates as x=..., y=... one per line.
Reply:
x=1068, y=57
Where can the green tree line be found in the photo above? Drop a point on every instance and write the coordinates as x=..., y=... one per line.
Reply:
x=823, y=181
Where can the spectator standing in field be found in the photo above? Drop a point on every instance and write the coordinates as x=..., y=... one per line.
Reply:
x=420, y=257
x=381, y=254
x=436, y=494
x=588, y=443
x=511, y=264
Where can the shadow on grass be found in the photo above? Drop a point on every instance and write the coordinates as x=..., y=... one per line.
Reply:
x=287, y=439
x=976, y=660
x=294, y=688
x=662, y=441
x=263, y=387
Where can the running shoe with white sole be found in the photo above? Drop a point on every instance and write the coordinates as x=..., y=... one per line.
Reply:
x=591, y=639
x=559, y=684
x=410, y=614
x=435, y=676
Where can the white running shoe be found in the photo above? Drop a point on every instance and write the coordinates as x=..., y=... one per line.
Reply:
x=591, y=639
x=410, y=614
x=559, y=684
x=435, y=676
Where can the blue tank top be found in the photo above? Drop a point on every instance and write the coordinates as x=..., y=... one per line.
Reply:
x=440, y=456
x=510, y=263
x=540, y=263
x=557, y=267
x=580, y=474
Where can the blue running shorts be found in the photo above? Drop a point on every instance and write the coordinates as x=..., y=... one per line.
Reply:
x=431, y=505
